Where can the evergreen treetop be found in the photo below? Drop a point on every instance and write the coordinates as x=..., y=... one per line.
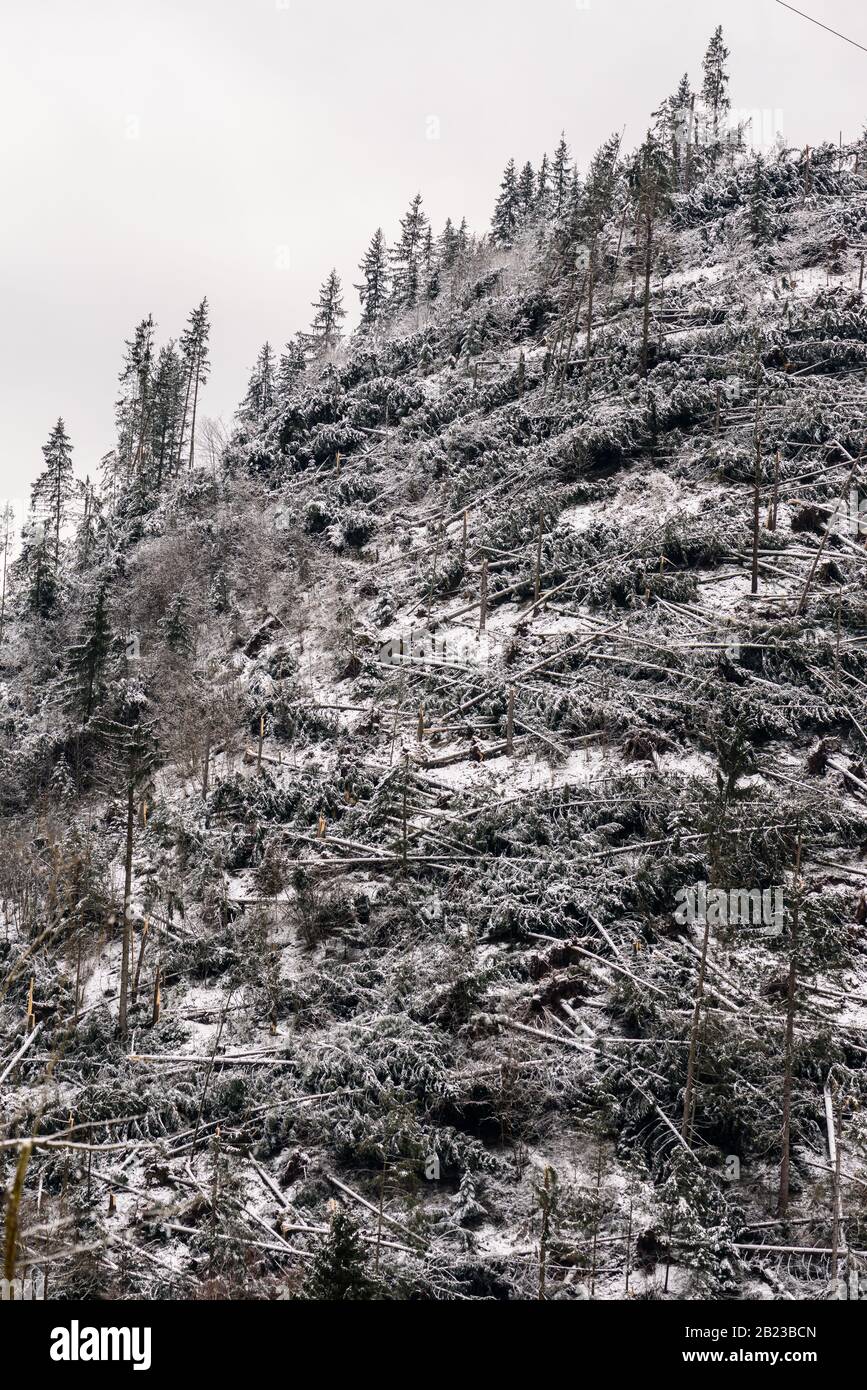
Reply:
x=55, y=486
x=506, y=211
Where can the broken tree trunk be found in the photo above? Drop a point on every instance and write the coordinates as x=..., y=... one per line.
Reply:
x=775, y=496
x=126, y=942
x=686, y=1123
x=757, y=483
x=537, y=573
x=648, y=266
x=783, y=1201
x=483, y=603
x=810, y=577
x=834, y=1158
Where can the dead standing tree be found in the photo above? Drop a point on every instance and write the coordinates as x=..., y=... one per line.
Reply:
x=791, y=994
x=653, y=187
x=7, y=517
x=131, y=750
x=196, y=366
x=757, y=475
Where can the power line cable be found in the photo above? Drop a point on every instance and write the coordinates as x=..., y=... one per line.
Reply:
x=845, y=37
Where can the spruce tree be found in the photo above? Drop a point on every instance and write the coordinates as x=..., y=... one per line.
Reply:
x=133, y=404
x=430, y=267
x=259, y=399
x=202, y=330
x=111, y=480
x=681, y=102
x=292, y=366
x=88, y=657
x=35, y=572
x=543, y=187
x=472, y=344
x=505, y=219
x=55, y=486
x=61, y=784
x=166, y=410
x=325, y=331
x=599, y=186
x=526, y=191
x=448, y=246
x=467, y=1207
x=574, y=201
x=88, y=528
x=338, y=1274
x=406, y=256
x=7, y=520
x=464, y=242
x=672, y=126
x=196, y=367
x=374, y=289
x=561, y=178
x=760, y=218
x=714, y=87
x=693, y=1211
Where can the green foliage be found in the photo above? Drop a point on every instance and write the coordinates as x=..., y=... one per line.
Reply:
x=339, y=1272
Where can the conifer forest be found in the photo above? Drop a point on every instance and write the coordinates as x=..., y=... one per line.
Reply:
x=433, y=803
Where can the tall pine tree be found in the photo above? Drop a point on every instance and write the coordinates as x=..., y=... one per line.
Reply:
x=599, y=187
x=561, y=178
x=406, y=256
x=133, y=404
x=448, y=246
x=166, y=411
x=543, y=187
x=291, y=367
x=35, y=572
x=526, y=191
x=88, y=528
x=374, y=289
x=505, y=220
x=673, y=127
x=7, y=522
x=325, y=330
x=196, y=367
x=55, y=486
x=89, y=655
x=714, y=87
x=430, y=267
x=256, y=405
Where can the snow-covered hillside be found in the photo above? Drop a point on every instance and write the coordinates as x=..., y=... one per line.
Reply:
x=483, y=730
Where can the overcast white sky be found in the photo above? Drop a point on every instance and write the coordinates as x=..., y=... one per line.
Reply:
x=153, y=151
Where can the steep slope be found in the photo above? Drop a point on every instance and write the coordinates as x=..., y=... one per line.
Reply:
x=465, y=705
